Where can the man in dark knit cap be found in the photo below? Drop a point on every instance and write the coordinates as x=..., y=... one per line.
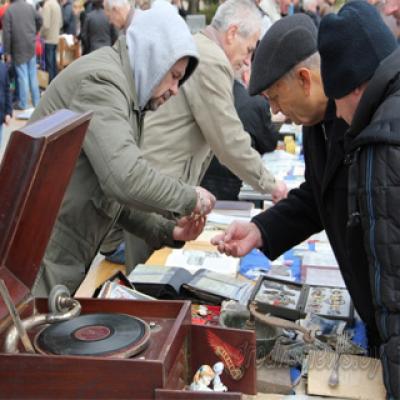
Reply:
x=360, y=65
x=286, y=69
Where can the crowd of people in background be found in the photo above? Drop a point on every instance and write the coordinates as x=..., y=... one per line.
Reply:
x=344, y=92
x=33, y=43
x=31, y=34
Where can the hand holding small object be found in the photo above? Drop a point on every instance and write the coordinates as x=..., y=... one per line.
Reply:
x=280, y=191
x=188, y=228
x=205, y=202
x=238, y=239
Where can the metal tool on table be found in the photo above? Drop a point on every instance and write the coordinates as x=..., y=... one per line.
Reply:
x=340, y=347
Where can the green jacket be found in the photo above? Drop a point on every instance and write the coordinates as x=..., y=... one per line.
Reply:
x=110, y=176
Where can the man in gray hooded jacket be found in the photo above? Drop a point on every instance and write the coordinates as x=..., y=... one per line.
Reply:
x=111, y=181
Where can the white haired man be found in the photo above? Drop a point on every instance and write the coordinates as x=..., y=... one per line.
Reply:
x=120, y=13
x=182, y=137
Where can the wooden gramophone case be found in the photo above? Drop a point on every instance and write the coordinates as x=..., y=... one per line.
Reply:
x=34, y=174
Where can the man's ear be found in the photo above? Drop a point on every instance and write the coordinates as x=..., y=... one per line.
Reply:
x=231, y=33
x=357, y=93
x=304, y=78
x=360, y=90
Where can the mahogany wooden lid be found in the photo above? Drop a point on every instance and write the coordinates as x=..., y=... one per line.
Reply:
x=34, y=174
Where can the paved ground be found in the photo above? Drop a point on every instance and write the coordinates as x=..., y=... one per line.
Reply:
x=16, y=123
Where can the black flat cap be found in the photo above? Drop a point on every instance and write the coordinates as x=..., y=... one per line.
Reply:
x=289, y=41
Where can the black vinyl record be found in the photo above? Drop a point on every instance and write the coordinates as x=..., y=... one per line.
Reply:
x=101, y=334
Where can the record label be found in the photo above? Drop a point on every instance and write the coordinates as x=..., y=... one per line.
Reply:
x=93, y=332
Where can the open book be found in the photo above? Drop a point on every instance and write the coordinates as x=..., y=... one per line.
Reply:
x=176, y=282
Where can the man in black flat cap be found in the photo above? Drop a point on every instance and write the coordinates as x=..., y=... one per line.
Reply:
x=360, y=64
x=286, y=69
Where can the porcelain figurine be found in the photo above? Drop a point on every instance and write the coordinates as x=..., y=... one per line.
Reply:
x=218, y=386
x=202, y=379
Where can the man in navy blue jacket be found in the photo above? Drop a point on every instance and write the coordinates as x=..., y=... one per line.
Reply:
x=360, y=64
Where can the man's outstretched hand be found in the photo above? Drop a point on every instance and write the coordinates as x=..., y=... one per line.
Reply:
x=280, y=192
x=238, y=239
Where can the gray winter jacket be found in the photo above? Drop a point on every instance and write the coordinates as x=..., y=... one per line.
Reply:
x=111, y=179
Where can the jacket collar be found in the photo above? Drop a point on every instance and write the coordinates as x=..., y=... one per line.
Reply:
x=335, y=130
x=212, y=34
x=383, y=83
x=128, y=20
x=330, y=113
x=121, y=48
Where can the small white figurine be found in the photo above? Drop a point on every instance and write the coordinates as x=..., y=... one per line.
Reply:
x=217, y=384
x=202, y=379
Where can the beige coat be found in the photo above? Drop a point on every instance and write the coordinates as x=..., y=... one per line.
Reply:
x=183, y=134
x=52, y=21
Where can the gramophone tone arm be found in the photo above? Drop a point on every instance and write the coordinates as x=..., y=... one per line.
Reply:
x=11, y=342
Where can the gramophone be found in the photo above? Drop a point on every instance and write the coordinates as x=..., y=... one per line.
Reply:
x=64, y=347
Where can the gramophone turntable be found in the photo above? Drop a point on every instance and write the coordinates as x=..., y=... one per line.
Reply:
x=159, y=356
x=65, y=332
x=101, y=334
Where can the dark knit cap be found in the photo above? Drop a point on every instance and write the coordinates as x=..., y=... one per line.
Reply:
x=352, y=44
x=289, y=41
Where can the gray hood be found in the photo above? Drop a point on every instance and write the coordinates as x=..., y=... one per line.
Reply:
x=157, y=39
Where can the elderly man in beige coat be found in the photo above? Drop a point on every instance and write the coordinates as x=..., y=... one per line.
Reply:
x=50, y=32
x=182, y=137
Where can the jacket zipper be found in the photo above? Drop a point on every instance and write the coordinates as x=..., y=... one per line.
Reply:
x=377, y=266
x=324, y=132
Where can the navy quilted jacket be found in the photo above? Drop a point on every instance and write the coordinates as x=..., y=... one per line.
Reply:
x=321, y=203
x=374, y=139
